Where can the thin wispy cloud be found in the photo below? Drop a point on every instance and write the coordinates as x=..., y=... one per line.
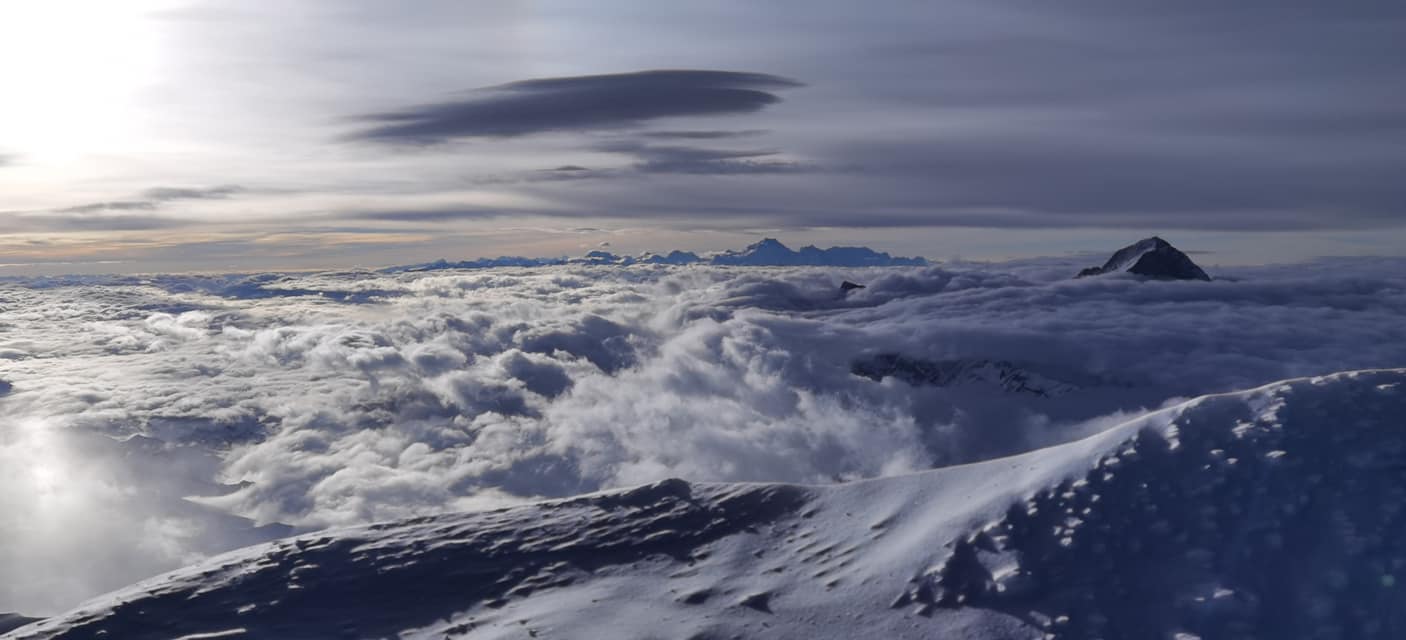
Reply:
x=701, y=134
x=431, y=214
x=155, y=197
x=673, y=158
x=119, y=205
x=134, y=214
x=167, y=194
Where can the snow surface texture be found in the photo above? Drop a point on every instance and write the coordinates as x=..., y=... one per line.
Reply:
x=345, y=398
x=1273, y=513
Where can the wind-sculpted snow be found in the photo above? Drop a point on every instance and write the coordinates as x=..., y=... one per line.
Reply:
x=1274, y=512
x=314, y=400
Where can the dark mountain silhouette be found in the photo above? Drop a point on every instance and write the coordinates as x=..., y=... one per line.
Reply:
x=1153, y=258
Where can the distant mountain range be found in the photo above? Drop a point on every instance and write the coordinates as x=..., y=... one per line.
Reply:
x=1151, y=257
x=771, y=253
x=767, y=253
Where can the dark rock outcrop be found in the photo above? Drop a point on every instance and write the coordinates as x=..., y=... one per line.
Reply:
x=1001, y=374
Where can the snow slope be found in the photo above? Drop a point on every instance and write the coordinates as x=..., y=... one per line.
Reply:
x=1275, y=512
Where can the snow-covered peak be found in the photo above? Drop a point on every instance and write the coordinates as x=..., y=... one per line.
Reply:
x=601, y=257
x=768, y=244
x=768, y=251
x=674, y=257
x=1274, y=512
x=1152, y=257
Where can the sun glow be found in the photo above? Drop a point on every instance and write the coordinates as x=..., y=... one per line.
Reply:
x=71, y=72
x=39, y=459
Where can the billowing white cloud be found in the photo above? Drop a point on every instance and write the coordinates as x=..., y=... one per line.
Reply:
x=340, y=398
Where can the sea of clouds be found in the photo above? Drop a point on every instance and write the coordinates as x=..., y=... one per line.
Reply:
x=146, y=422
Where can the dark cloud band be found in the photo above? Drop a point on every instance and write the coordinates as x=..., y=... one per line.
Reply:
x=577, y=103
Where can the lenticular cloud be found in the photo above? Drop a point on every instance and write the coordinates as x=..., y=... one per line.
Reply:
x=306, y=401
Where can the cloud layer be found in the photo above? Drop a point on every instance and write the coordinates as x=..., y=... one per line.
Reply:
x=337, y=398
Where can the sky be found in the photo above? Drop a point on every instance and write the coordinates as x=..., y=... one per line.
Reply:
x=183, y=135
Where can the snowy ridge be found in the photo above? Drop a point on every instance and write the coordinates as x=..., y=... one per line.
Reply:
x=1275, y=512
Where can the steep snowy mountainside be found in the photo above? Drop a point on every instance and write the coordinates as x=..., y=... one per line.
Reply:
x=1275, y=512
x=1151, y=257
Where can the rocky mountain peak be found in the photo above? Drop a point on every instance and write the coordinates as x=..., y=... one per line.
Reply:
x=1153, y=258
